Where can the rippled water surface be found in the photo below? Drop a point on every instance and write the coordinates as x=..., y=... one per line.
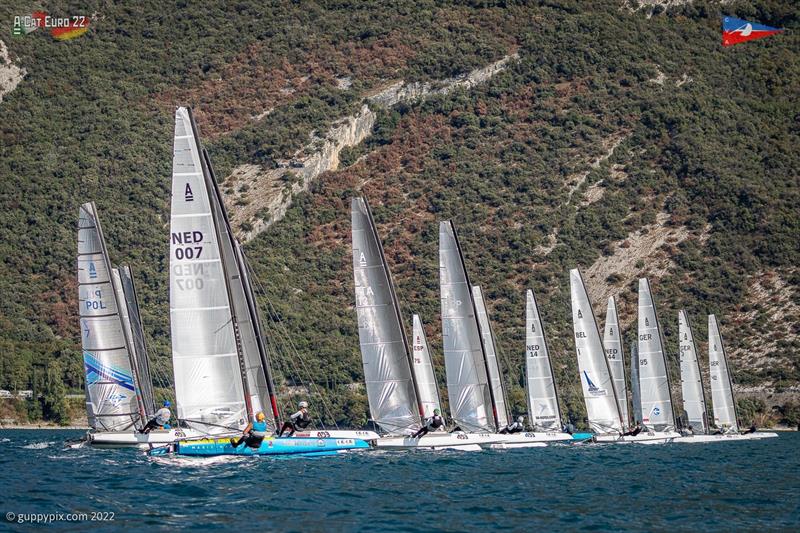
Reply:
x=734, y=485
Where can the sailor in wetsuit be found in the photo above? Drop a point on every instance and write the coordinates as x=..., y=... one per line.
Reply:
x=431, y=424
x=514, y=427
x=254, y=433
x=301, y=419
x=635, y=430
x=160, y=420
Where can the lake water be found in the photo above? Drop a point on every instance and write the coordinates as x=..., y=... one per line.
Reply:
x=750, y=485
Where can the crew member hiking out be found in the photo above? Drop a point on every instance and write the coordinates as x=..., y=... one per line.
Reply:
x=431, y=424
x=635, y=430
x=515, y=427
x=253, y=434
x=301, y=419
x=160, y=420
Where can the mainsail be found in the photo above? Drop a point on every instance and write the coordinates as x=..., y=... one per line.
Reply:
x=423, y=370
x=211, y=385
x=492, y=360
x=598, y=386
x=391, y=391
x=468, y=386
x=543, y=410
x=141, y=361
x=694, y=398
x=653, y=376
x=612, y=340
x=636, y=395
x=721, y=386
x=112, y=398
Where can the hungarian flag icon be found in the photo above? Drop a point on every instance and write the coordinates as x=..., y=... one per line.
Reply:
x=735, y=31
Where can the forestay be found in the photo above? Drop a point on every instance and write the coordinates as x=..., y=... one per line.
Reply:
x=209, y=382
x=694, y=400
x=423, y=370
x=467, y=381
x=612, y=341
x=492, y=360
x=543, y=410
x=112, y=400
x=598, y=387
x=391, y=392
x=721, y=386
x=657, y=413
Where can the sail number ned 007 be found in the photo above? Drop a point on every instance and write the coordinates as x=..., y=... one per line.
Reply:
x=187, y=244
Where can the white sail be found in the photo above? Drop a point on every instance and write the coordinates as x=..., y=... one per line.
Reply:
x=209, y=382
x=467, y=381
x=657, y=412
x=598, y=387
x=694, y=399
x=722, y=399
x=392, y=397
x=636, y=396
x=612, y=340
x=543, y=410
x=112, y=400
x=423, y=370
x=141, y=362
x=492, y=359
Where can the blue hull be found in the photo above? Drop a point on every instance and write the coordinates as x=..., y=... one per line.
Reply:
x=270, y=446
x=582, y=436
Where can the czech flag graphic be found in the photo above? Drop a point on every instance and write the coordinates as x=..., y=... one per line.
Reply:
x=735, y=31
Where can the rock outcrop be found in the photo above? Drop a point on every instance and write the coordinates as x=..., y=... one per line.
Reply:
x=10, y=73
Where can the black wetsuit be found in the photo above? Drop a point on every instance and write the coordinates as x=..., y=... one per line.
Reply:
x=434, y=422
x=632, y=433
x=254, y=437
x=298, y=420
x=515, y=427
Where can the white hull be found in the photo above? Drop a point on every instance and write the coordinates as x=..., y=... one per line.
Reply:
x=650, y=437
x=440, y=441
x=696, y=439
x=528, y=440
x=338, y=434
x=119, y=439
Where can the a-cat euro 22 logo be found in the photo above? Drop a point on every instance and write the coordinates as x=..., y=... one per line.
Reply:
x=60, y=28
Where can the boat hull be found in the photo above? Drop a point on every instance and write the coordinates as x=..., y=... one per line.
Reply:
x=337, y=434
x=528, y=440
x=650, y=437
x=439, y=441
x=698, y=439
x=157, y=437
x=270, y=446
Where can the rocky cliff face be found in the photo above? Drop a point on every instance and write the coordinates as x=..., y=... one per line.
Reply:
x=259, y=197
x=10, y=73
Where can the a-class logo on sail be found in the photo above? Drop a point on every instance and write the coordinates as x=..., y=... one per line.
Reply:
x=594, y=390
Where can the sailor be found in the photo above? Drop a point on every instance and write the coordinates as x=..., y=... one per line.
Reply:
x=569, y=427
x=301, y=419
x=514, y=427
x=689, y=431
x=752, y=429
x=431, y=424
x=635, y=430
x=254, y=433
x=160, y=420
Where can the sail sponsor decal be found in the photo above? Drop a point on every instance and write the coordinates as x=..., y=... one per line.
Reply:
x=98, y=372
x=736, y=30
x=594, y=390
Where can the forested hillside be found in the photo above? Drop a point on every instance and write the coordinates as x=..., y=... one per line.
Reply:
x=625, y=142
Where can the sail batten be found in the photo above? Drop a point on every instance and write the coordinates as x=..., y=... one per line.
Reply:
x=543, y=410
x=656, y=398
x=468, y=387
x=596, y=381
x=391, y=391
x=723, y=402
x=493, y=366
x=113, y=402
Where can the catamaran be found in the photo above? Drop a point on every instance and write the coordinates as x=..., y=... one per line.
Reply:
x=119, y=391
x=544, y=412
x=398, y=395
x=222, y=372
x=725, y=415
